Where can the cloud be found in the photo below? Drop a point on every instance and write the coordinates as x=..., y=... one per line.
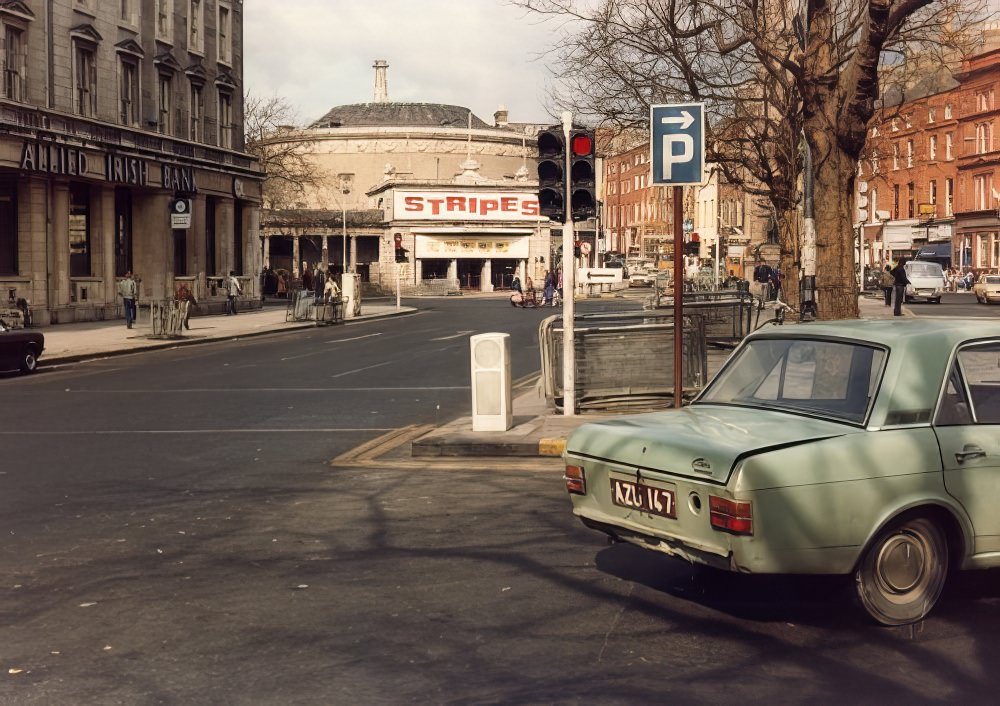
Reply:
x=474, y=53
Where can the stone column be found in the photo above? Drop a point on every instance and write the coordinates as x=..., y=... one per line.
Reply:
x=296, y=264
x=453, y=272
x=266, y=247
x=486, y=277
x=522, y=266
x=60, y=245
x=199, y=248
x=353, y=263
x=108, y=226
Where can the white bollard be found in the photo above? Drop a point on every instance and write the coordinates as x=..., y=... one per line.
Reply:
x=491, y=390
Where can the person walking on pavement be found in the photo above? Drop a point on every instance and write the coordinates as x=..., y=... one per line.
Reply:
x=128, y=291
x=184, y=294
x=900, y=280
x=887, y=282
x=233, y=290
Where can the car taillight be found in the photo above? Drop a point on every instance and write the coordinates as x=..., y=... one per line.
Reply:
x=734, y=516
x=576, y=481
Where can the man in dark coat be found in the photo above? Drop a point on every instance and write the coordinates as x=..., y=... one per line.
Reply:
x=900, y=280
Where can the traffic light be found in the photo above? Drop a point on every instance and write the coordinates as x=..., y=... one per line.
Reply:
x=582, y=175
x=576, y=249
x=691, y=248
x=552, y=174
x=711, y=251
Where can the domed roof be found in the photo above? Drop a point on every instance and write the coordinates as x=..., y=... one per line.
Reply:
x=399, y=115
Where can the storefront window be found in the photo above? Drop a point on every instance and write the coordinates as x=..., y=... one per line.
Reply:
x=238, y=238
x=123, y=232
x=79, y=230
x=210, y=261
x=8, y=229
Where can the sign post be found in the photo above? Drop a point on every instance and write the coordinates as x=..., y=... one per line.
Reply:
x=677, y=144
x=569, y=285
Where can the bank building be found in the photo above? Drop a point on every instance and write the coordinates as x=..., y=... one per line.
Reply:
x=425, y=192
x=121, y=149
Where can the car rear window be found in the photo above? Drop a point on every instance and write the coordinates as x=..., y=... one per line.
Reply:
x=828, y=378
x=924, y=269
x=993, y=280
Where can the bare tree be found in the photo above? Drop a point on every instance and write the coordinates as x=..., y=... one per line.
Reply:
x=284, y=150
x=769, y=71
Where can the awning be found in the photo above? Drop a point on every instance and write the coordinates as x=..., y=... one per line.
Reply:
x=935, y=250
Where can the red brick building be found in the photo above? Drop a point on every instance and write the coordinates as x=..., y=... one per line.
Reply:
x=638, y=218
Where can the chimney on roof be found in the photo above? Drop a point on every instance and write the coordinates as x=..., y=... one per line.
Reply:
x=381, y=67
x=500, y=117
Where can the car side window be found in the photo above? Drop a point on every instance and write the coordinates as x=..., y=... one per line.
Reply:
x=954, y=408
x=980, y=369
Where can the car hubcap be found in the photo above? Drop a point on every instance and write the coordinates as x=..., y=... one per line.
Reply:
x=900, y=564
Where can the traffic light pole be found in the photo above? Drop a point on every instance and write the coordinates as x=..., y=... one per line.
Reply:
x=569, y=284
x=679, y=295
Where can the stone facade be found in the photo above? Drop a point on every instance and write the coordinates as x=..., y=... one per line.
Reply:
x=112, y=115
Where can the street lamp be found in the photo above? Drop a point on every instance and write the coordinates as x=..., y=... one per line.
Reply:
x=346, y=181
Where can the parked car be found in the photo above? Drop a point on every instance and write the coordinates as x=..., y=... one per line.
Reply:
x=864, y=448
x=642, y=277
x=927, y=281
x=616, y=263
x=987, y=289
x=20, y=348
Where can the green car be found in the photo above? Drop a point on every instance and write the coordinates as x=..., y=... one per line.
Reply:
x=864, y=448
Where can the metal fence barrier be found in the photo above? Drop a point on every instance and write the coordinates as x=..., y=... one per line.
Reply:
x=303, y=305
x=728, y=314
x=167, y=317
x=610, y=371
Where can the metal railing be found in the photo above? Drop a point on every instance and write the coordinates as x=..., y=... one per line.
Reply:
x=167, y=317
x=623, y=360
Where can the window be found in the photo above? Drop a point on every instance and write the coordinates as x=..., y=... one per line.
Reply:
x=196, y=27
x=949, y=194
x=226, y=120
x=949, y=141
x=978, y=365
x=165, y=20
x=909, y=153
x=225, y=38
x=910, y=201
x=895, y=201
x=895, y=125
x=932, y=191
x=874, y=209
x=128, y=91
x=195, y=133
x=8, y=229
x=128, y=12
x=930, y=115
x=15, y=63
x=85, y=79
x=79, y=230
x=984, y=100
x=932, y=148
x=909, y=120
x=895, y=155
x=874, y=162
x=984, y=138
x=947, y=111
x=163, y=104
x=982, y=185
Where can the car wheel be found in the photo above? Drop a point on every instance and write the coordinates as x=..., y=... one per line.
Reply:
x=902, y=572
x=936, y=301
x=29, y=359
x=908, y=299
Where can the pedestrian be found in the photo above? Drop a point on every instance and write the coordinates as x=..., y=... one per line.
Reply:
x=900, y=280
x=330, y=290
x=233, y=290
x=184, y=294
x=129, y=291
x=549, y=289
x=774, y=282
x=887, y=282
x=307, y=278
x=559, y=285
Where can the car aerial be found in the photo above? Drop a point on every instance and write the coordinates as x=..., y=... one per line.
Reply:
x=20, y=349
x=859, y=448
x=927, y=281
x=987, y=289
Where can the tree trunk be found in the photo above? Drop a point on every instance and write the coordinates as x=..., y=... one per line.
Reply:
x=788, y=239
x=836, y=285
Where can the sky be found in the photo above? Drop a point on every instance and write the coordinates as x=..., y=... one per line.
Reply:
x=474, y=53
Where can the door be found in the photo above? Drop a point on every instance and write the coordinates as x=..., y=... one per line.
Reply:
x=968, y=430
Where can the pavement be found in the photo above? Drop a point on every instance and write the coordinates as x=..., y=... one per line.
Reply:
x=68, y=343
x=537, y=431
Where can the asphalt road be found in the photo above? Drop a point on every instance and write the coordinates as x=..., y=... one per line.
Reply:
x=174, y=533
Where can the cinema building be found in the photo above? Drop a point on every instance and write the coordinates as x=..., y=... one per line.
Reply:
x=121, y=150
x=457, y=193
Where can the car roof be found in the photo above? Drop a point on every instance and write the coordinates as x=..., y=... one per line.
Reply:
x=895, y=332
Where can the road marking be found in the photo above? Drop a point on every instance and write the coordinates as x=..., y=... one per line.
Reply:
x=117, y=432
x=359, y=370
x=356, y=338
x=460, y=334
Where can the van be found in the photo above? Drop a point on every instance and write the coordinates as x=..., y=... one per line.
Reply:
x=927, y=281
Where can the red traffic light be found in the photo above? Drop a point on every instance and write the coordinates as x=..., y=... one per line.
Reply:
x=582, y=144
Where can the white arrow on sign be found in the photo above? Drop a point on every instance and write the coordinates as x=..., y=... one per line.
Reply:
x=684, y=121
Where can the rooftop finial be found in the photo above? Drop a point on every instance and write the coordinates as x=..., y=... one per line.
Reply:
x=381, y=67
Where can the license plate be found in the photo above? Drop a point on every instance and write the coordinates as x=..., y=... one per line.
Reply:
x=656, y=501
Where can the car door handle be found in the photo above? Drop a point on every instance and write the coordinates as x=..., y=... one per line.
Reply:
x=969, y=452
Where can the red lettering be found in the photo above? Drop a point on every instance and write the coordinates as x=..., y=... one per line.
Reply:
x=487, y=205
x=456, y=203
x=530, y=208
x=435, y=205
x=508, y=204
x=413, y=203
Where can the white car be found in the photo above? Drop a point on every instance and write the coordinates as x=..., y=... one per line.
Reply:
x=927, y=281
x=642, y=278
x=987, y=289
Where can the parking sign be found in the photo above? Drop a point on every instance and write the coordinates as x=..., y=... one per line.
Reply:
x=677, y=143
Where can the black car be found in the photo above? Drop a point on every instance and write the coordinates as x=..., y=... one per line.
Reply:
x=20, y=349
